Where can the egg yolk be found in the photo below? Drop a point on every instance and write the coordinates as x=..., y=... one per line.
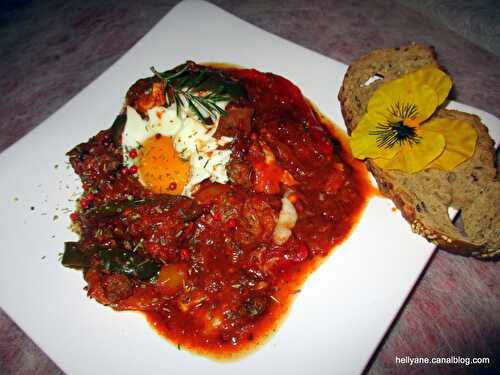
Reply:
x=160, y=167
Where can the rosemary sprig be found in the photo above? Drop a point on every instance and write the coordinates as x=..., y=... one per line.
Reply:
x=200, y=90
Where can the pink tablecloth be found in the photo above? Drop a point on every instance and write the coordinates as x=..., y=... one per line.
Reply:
x=52, y=49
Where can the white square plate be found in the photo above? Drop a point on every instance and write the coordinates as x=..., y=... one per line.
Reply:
x=336, y=322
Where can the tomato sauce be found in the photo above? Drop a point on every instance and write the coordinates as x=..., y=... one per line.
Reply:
x=211, y=272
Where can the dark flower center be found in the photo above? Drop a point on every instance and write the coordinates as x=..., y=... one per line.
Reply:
x=389, y=134
x=393, y=132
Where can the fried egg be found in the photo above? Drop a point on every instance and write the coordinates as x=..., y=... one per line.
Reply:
x=173, y=152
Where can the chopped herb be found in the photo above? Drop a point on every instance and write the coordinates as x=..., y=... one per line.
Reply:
x=274, y=299
x=139, y=246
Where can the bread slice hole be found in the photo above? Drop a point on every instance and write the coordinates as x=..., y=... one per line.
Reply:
x=452, y=213
x=373, y=78
x=456, y=219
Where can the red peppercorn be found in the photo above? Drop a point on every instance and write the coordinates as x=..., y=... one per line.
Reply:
x=184, y=254
x=84, y=203
x=133, y=169
x=172, y=186
x=132, y=153
x=157, y=135
x=90, y=197
x=253, y=136
x=231, y=223
x=73, y=216
x=124, y=170
x=217, y=216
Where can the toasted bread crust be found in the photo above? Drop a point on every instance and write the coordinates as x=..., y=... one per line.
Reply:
x=425, y=197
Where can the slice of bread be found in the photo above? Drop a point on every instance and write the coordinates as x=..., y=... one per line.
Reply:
x=424, y=198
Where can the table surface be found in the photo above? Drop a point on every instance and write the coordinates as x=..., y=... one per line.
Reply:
x=52, y=49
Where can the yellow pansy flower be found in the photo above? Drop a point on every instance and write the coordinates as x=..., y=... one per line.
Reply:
x=396, y=133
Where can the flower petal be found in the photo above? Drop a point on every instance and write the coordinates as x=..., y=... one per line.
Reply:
x=364, y=145
x=426, y=101
x=461, y=139
x=433, y=77
x=416, y=157
x=393, y=100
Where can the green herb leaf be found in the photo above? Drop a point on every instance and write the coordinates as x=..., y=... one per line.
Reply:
x=184, y=83
x=129, y=263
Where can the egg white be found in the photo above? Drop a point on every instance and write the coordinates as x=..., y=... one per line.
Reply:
x=192, y=139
